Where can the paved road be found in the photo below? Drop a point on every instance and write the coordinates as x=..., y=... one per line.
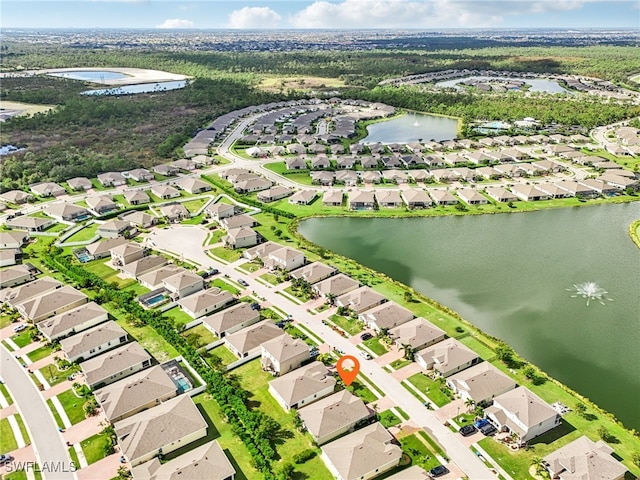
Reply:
x=47, y=442
x=189, y=240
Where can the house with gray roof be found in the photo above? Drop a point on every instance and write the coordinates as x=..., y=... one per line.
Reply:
x=277, y=192
x=93, y=341
x=237, y=221
x=165, y=192
x=160, y=430
x=205, y=302
x=360, y=299
x=136, y=197
x=16, y=196
x=417, y=333
x=303, y=197
x=412, y=473
x=334, y=415
x=389, y=198
x=112, y=179
x=252, y=185
x=314, y=272
x=481, y=383
x=218, y=211
x=447, y=357
x=194, y=185
x=361, y=200
x=322, y=178
x=66, y=211
x=282, y=354
x=114, y=228
x=15, y=275
x=137, y=392
x=143, y=265
x=140, y=219
x=165, y=170
x=140, y=175
x=443, y=197
x=285, y=258
x=248, y=340
x=115, y=364
x=13, y=240
x=183, y=284
x=416, y=198
x=72, y=321
x=363, y=454
x=47, y=189
x=386, y=315
x=19, y=294
x=240, y=237
x=153, y=279
x=302, y=386
x=501, y=194
x=335, y=285
x=295, y=163
x=231, y=319
x=51, y=303
x=184, y=164
x=529, y=193
x=332, y=198
x=174, y=212
x=30, y=224
x=472, y=197
x=123, y=253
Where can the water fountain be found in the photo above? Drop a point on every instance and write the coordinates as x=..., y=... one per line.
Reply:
x=590, y=291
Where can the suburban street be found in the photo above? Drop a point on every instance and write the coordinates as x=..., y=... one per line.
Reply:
x=48, y=444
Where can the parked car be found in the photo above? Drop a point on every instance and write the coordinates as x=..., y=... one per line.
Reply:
x=280, y=324
x=467, y=430
x=488, y=430
x=481, y=422
x=366, y=336
x=439, y=470
x=19, y=328
x=365, y=355
x=243, y=282
x=255, y=306
x=213, y=271
x=5, y=459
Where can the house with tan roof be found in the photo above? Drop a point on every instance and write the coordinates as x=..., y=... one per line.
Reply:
x=112, y=179
x=303, y=197
x=126, y=253
x=184, y=164
x=417, y=333
x=183, y=284
x=412, y=473
x=13, y=240
x=416, y=198
x=51, y=303
x=252, y=185
x=115, y=364
x=247, y=341
x=363, y=454
x=282, y=354
x=66, y=211
x=153, y=279
x=529, y=193
x=140, y=219
x=143, y=265
x=47, y=189
x=360, y=299
x=174, y=212
x=165, y=192
x=335, y=286
x=285, y=258
x=30, y=224
x=277, y=192
x=102, y=248
x=584, y=459
x=481, y=383
x=443, y=197
x=9, y=256
x=15, y=275
x=72, y=321
x=314, y=272
x=194, y=185
x=388, y=198
x=16, y=196
x=238, y=221
x=447, y=357
x=205, y=302
x=207, y=462
x=93, y=341
x=240, y=237
x=522, y=412
x=472, y=197
x=140, y=175
x=79, y=183
x=332, y=198
x=137, y=392
x=136, y=197
x=386, y=315
x=114, y=228
x=361, y=200
x=501, y=194
x=19, y=294
x=231, y=319
x=261, y=251
x=302, y=386
x=160, y=430
x=202, y=159
x=334, y=415
x=218, y=211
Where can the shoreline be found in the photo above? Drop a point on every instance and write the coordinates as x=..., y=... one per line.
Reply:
x=634, y=232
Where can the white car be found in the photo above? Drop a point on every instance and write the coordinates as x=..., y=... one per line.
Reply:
x=365, y=355
x=19, y=328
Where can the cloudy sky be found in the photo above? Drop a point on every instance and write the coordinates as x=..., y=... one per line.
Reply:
x=323, y=14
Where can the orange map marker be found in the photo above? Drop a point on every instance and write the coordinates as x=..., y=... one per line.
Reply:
x=349, y=374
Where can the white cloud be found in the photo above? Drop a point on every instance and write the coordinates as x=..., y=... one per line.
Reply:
x=254, y=17
x=176, y=23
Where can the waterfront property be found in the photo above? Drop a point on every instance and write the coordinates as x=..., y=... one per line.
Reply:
x=447, y=357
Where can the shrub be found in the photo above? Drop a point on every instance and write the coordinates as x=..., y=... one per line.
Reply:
x=303, y=456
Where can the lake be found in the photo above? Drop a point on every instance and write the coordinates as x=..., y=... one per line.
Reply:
x=537, y=84
x=140, y=88
x=97, y=76
x=412, y=127
x=512, y=275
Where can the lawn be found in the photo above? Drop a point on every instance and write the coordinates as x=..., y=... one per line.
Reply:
x=223, y=353
x=94, y=447
x=74, y=457
x=73, y=406
x=40, y=353
x=388, y=418
x=298, y=333
x=196, y=204
x=5, y=393
x=108, y=274
x=400, y=363
x=296, y=292
x=52, y=375
x=359, y=389
x=56, y=415
x=302, y=177
x=349, y=325
x=270, y=278
x=477, y=346
x=5, y=321
x=7, y=440
x=84, y=234
x=222, y=285
x=197, y=220
x=430, y=388
x=23, y=429
x=23, y=338
x=253, y=379
x=420, y=454
x=376, y=346
x=199, y=336
x=178, y=316
x=216, y=236
x=226, y=254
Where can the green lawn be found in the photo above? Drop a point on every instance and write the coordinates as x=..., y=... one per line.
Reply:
x=270, y=278
x=94, y=447
x=376, y=346
x=5, y=393
x=226, y=254
x=302, y=178
x=84, y=234
x=194, y=205
x=400, y=363
x=199, y=336
x=7, y=440
x=74, y=457
x=349, y=325
x=56, y=415
x=430, y=388
x=73, y=406
x=23, y=429
x=295, y=332
x=56, y=227
x=108, y=274
x=17, y=475
x=296, y=292
x=216, y=236
x=388, y=418
x=52, y=375
x=359, y=389
x=222, y=285
x=255, y=380
x=419, y=452
x=40, y=353
x=5, y=321
x=477, y=346
x=221, y=352
x=23, y=338
x=178, y=316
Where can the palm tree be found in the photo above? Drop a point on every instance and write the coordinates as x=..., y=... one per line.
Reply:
x=540, y=466
x=409, y=351
x=470, y=404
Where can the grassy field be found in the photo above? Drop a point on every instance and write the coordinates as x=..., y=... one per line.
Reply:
x=178, y=316
x=430, y=388
x=108, y=274
x=7, y=439
x=270, y=278
x=376, y=346
x=291, y=441
x=94, y=447
x=400, y=363
x=477, y=346
x=222, y=285
x=26, y=108
x=349, y=325
x=359, y=389
x=196, y=204
x=52, y=375
x=199, y=336
x=420, y=453
x=5, y=393
x=303, y=177
x=226, y=254
x=40, y=353
x=73, y=406
x=388, y=418
x=84, y=234
x=23, y=338
x=223, y=353
x=56, y=415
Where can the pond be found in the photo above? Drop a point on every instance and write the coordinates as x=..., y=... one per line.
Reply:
x=7, y=149
x=97, y=76
x=523, y=277
x=536, y=84
x=141, y=88
x=412, y=127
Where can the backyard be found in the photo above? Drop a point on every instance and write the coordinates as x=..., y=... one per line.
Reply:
x=199, y=336
x=178, y=316
x=222, y=353
x=84, y=234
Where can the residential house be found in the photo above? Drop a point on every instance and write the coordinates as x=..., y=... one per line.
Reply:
x=184, y=164
x=443, y=197
x=332, y=198
x=93, y=341
x=160, y=430
x=334, y=415
x=73, y=321
x=14, y=294
x=112, y=179
x=15, y=275
x=522, y=412
x=126, y=252
x=417, y=334
x=412, y=473
x=238, y=221
x=363, y=454
x=314, y=272
x=369, y=162
x=295, y=163
x=205, y=302
x=386, y=315
x=183, y=284
x=66, y=212
x=361, y=200
x=447, y=357
x=240, y=237
x=261, y=251
x=153, y=279
x=114, y=229
x=577, y=189
x=472, y=197
x=529, y=193
x=47, y=189
x=247, y=341
x=137, y=392
x=282, y=354
x=218, y=211
x=136, y=197
x=165, y=170
x=395, y=176
x=360, y=299
x=391, y=162
x=231, y=319
x=205, y=462
x=274, y=193
x=303, y=197
x=347, y=177
x=101, y=204
x=13, y=240
x=165, y=192
x=323, y=178
x=415, y=198
x=30, y=224
x=302, y=386
x=194, y=185
x=285, y=258
x=335, y=286
x=481, y=383
x=553, y=190
x=140, y=219
x=548, y=166
x=346, y=163
x=79, y=183
x=388, y=198
x=16, y=196
x=599, y=186
x=252, y=185
x=501, y=194
x=115, y=364
x=144, y=265
x=584, y=459
x=613, y=178
x=51, y=303
x=174, y=212
x=140, y=175
x=371, y=176
x=515, y=154
x=296, y=149
x=512, y=171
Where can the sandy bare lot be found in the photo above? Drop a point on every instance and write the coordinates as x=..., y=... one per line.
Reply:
x=11, y=109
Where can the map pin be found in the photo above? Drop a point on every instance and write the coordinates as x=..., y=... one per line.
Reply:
x=349, y=373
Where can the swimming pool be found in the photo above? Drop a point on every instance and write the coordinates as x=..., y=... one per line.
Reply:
x=84, y=257
x=183, y=384
x=155, y=299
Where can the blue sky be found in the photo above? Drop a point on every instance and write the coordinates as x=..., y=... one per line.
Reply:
x=328, y=14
